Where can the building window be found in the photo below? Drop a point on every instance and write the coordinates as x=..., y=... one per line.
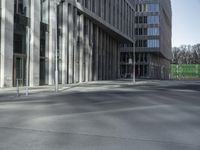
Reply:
x=153, y=19
x=141, y=43
x=141, y=19
x=153, y=44
x=141, y=8
x=152, y=7
x=153, y=31
x=141, y=31
x=45, y=11
x=22, y=7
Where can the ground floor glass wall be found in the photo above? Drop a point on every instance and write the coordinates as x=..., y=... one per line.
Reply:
x=147, y=65
x=20, y=49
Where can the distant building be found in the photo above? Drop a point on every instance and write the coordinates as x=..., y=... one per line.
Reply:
x=85, y=34
x=153, y=30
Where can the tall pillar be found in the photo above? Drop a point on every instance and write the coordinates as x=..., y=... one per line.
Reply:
x=110, y=59
x=114, y=61
x=106, y=56
x=96, y=72
x=91, y=52
x=47, y=55
x=71, y=44
x=81, y=49
x=65, y=43
x=104, y=60
x=87, y=57
x=35, y=44
x=7, y=26
x=76, y=60
x=107, y=10
x=102, y=9
x=100, y=55
x=119, y=17
x=118, y=60
x=111, y=14
x=52, y=40
x=123, y=17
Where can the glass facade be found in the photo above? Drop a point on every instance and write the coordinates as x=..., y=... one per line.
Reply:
x=44, y=37
x=141, y=31
x=45, y=11
x=152, y=7
x=153, y=20
x=153, y=43
x=153, y=31
x=22, y=7
x=21, y=43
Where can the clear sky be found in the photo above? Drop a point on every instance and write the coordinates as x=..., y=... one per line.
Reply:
x=186, y=22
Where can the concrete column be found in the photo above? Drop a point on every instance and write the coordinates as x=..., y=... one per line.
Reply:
x=113, y=60
x=110, y=57
x=98, y=7
x=111, y=12
x=87, y=50
x=116, y=13
x=126, y=18
x=35, y=43
x=91, y=51
x=102, y=9
x=65, y=43
x=47, y=54
x=7, y=26
x=96, y=72
x=106, y=57
x=120, y=10
x=115, y=64
x=118, y=60
x=81, y=74
x=89, y=4
x=76, y=60
x=132, y=23
x=123, y=16
x=71, y=44
x=128, y=25
x=100, y=55
x=107, y=11
x=52, y=44
x=109, y=52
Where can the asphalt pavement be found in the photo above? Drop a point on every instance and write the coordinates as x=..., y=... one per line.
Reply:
x=107, y=115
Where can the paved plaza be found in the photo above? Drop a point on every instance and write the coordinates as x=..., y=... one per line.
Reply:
x=108, y=115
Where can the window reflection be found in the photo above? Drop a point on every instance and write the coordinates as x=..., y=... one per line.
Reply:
x=22, y=7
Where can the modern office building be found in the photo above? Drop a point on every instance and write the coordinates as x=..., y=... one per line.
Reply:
x=79, y=37
x=152, y=41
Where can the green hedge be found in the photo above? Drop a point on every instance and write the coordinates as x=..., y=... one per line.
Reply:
x=185, y=71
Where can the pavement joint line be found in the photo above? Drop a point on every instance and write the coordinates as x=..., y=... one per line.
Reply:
x=102, y=136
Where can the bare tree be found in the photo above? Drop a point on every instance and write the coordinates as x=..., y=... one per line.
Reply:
x=186, y=54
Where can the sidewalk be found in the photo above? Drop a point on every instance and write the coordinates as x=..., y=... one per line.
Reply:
x=12, y=93
x=9, y=94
